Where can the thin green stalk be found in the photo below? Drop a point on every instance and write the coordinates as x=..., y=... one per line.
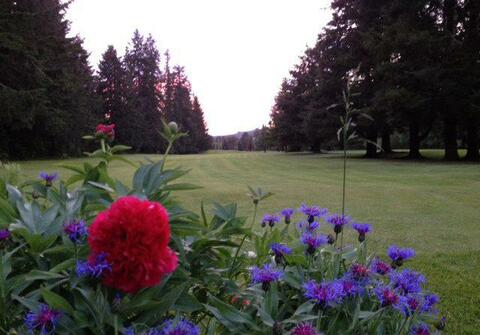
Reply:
x=403, y=326
x=115, y=323
x=165, y=155
x=344, y=169
x=243, y=240
x=102, y=142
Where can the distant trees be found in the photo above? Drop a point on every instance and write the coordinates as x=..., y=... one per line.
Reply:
x=47, y=98
x=255, y=140
x=419, y=75
x=50, y=96
x=139, y=94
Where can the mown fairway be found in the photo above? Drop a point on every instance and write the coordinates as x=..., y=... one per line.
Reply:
x=431, y=206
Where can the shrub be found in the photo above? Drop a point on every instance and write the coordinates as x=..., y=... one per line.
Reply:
x=91, y=255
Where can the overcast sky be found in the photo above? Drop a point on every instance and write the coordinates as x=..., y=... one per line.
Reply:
x=235, y=52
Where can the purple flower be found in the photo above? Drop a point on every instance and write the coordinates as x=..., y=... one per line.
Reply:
x=312, y=212
x=313, y=241
x=358, y=272
x=4, y=234
x=421, y=329
x=307, y=226
x=94, y=267
x=75, y=229
x=407, y=281
x=287, y=214
x=362, y=229
x=411, y=304
x=399, y=255
x=387, y=296
x=270, y=219
x=338, y=221
x=280, y=250
x=44, y=320
x=265, y=275
x=183, y=327
x=304, y=329
x=380, y=267
x=48, y=178
x=429, y=302
x=350, y=287
x=324, y=294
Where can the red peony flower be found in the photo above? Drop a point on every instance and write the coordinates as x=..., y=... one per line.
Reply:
x=134, y=234
x=106, y=130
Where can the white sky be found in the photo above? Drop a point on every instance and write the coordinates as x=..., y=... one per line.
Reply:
x=235, y=52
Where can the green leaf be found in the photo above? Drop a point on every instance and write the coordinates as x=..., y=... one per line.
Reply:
x=42, y=275
x=102, y=186
x=119, y=148
x=56, y=301
x=181, y=187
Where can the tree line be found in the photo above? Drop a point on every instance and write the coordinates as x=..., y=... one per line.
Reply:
x=255, y=140
x=415, y=71
x=50, y=96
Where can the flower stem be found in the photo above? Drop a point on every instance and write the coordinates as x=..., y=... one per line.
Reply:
x=169, y=147
x=243, y=240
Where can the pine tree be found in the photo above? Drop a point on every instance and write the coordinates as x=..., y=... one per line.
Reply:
x=46, y=84
x=143, y=94
x=112, y=88
x=199, y=127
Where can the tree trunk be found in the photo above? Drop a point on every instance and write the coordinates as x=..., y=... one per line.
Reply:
x=372, y=134
x=414, y=140
x=450, y=140
x=473, y=154
x=386, y=145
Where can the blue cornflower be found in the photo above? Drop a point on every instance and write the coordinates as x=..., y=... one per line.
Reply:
x=287, y=214
x=389, y=297
x=265, y=275
x=358, y=272
x=312, y=212
x=270, y=219
x=429, y=302
x=380, y=267
x=76, y=230
x=280, y=250
x=94, y=268
x=44, y=320
x=407, y=281
x=362, y=229
x=48, y=178
x=183, y=327
x=4, y=234
x=325, y=293
x=399, y=255
x=338, y=221
x=351, y=287
x=421, y=329
x=411, y=304
x=307, y=226
x=313, y=241
x=304, y=329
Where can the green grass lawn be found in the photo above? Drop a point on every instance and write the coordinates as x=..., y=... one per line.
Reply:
x=429, y=205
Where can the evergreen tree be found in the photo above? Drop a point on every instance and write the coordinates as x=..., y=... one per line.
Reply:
x=112, y=88
x=47, y=96
x=143, y=76
x=199, y=127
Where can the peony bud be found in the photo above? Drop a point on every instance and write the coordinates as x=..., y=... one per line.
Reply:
x=173, y=126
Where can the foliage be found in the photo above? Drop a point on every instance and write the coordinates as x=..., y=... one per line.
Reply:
x=47, y=99
x=43, y=271
x=417, y=76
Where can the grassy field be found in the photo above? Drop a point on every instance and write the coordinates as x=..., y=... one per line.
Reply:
x=429, y=205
